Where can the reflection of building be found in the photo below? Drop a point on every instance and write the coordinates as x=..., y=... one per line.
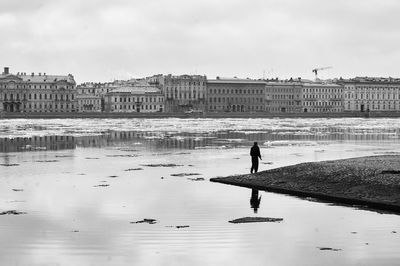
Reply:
x=37, y=143
x=89, y=103
x=371, y=94
x=37, y=92
x=235, y=95
x=322, y=98
x=138, y=98
x=283, y=96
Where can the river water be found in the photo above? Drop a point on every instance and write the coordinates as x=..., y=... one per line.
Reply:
x=82, y=184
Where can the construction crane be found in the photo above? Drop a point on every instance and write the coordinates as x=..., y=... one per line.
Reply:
x=315, y=70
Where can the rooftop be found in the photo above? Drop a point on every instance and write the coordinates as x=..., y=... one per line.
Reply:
x=138, y=89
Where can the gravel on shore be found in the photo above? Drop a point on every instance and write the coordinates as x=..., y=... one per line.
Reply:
x=372, y=182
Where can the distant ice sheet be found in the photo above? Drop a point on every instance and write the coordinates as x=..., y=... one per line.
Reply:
x=12, y=128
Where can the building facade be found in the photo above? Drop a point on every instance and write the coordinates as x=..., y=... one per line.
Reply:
x=235, y=95
x=283, y=96
x=364, y=94
x=185, y=92
x=89, y=103
x=139, y=98
x=322, y=98
x=37, y=92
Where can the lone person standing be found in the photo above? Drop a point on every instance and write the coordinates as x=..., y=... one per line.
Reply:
x=255, y=154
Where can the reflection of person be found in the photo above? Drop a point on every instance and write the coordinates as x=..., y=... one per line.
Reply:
x=255, y=200
x=255, y=154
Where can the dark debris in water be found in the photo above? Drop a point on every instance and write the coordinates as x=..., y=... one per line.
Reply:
x=18, y=189
x=182, y=226
x=112, y=176
x=128, y=150
x=256, y=220
x=9, y=164
x=92, y=158
x=267, y=163
x=46, y=161
x=12, y=212
x=331, y=249
x=123, y=155
x=178, y=226
x=162, y=165
x=64, y=156
x=149, y=221
x=185, y=174
x=133, y=169
x=102, y=185
x=196, y=179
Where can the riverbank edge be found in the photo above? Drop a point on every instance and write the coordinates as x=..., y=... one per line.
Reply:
x=329, y=196
x=197, y=115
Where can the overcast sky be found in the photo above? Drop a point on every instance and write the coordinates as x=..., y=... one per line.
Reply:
x=97, y=40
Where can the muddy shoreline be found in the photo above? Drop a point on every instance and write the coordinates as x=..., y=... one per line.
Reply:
x=371, y=182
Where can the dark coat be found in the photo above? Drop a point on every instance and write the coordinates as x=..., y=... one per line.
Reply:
x=255, y=151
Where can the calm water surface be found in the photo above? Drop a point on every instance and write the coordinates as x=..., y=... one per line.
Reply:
x=83, y=182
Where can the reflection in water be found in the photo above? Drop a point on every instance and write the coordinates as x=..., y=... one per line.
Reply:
x=37, y=143
x=183, y=140
x=255, y=200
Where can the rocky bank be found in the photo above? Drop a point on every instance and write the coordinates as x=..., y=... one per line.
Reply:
x=368, y=181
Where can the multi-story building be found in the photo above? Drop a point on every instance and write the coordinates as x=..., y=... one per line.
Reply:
x=182, y=93
x=138, y=98
x=37, y=92
x=322, y=98
x=89, y=103
x=283, y=96
x=235, y=95
x=371, y=94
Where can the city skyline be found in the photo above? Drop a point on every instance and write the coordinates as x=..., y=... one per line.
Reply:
x=102, y=41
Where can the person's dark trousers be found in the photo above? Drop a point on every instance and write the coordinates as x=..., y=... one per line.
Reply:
x=254, y=164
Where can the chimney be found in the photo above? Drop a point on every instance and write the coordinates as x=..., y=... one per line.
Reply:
x=6, y=70
x=32, y=74
x=40, y=73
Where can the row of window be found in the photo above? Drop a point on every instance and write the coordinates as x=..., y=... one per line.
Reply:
x=284, y=103
x=4, y=86
x=48, y=106
x=322, y=103
x=133, y=107
x=321, y=96
x=238, y=108
x=140, y=99
x=10, y=96
x=235, y=91
x=185, y=96
x=232, y=99
x=280, y=96
x=372, y=96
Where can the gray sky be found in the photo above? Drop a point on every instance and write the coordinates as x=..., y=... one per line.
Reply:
x=97, y=40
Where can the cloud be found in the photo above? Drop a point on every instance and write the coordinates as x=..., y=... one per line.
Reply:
x=97, y=39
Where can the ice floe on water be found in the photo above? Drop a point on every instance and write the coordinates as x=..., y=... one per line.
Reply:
x=169, y=127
